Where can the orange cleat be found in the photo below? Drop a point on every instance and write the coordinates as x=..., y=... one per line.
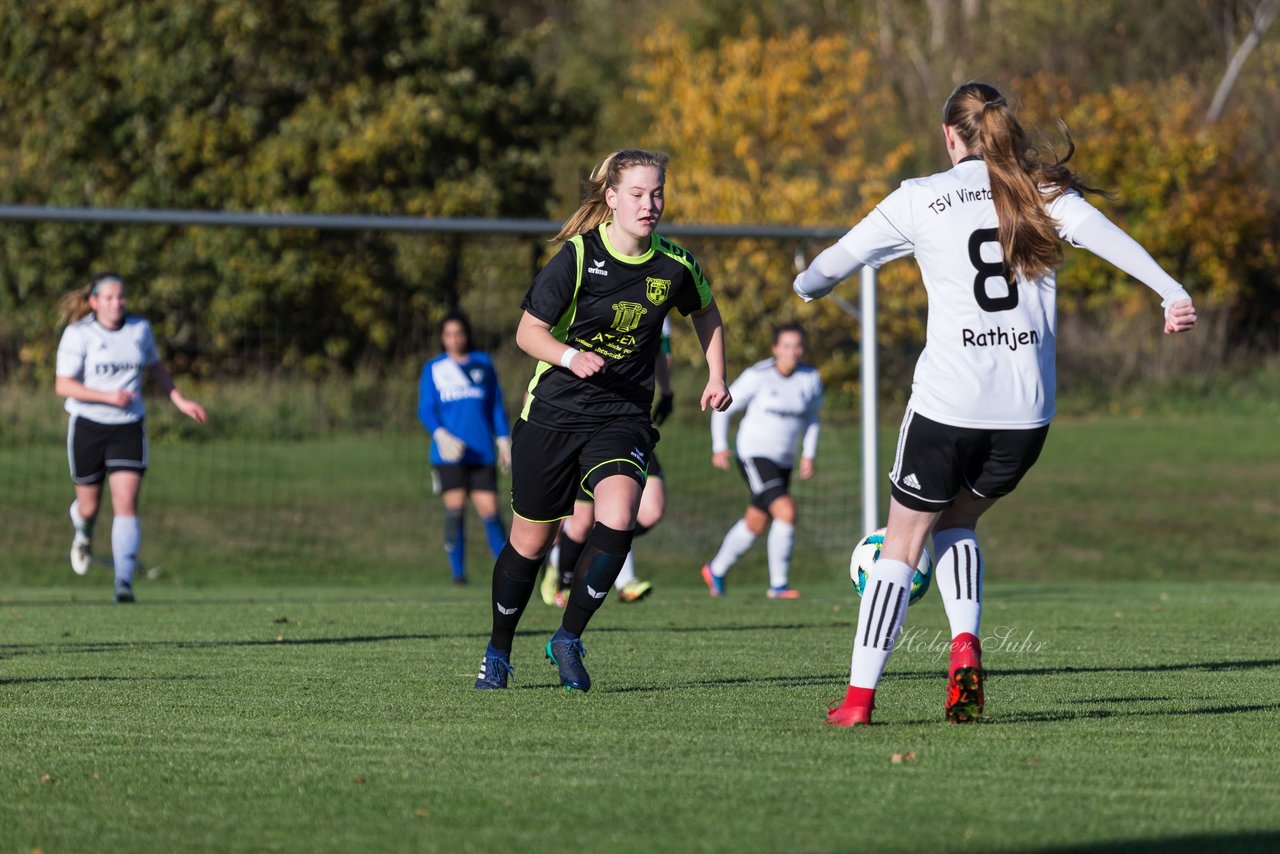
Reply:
x=714, y=585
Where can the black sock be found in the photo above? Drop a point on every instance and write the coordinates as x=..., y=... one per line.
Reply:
x=570, y=554
x=640, y=530
x=596, y=571
x=514, y=577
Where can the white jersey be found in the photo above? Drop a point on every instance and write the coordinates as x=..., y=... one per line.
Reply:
x=778, y=410
x=988, y=360
x=107, y=360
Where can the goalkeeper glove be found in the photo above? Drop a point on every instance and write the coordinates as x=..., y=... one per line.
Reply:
x=451, y=448
x=666, y=403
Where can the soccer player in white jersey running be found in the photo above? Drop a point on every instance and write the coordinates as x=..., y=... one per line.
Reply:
x=101, y=360
x=986, y=237
x=781, y=397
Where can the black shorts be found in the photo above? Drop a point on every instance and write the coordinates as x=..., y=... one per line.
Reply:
x=655, y=473
x=95, y=450
x=473, y=477
x=935, y=461
x=766, y=479
x=548, y=467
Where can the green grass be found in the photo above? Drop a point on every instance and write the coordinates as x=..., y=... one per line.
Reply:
x=1121, y=716
x=1167, y=496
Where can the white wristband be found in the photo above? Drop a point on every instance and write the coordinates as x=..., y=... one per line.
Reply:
x=567, y=357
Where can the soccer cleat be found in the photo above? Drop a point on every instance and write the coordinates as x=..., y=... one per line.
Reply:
x=561, y=599
x=715, y=584
x=550, y=585
x=964, y=695
x=634, y=590
x=124, y=592
x=964, y=686
x=854, y=709
x=850, y=715
x=495, y=670
x=460, y=581
x=783, y=592
x=567, y=655
x=81, y=554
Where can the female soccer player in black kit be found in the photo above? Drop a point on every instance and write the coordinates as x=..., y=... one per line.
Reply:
x=593, y=320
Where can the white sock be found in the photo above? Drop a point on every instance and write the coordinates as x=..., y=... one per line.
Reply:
x=958, y=574
x=628, y=573
x=735, y=545
x=881, y=615
x=781, y=537
x=83, y=526
x=126, y=536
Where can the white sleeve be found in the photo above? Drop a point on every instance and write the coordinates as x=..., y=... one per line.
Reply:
x=809, y=444
x=1105, y=239
x=742, y=390
x=832, y=266
x=878, y=239
x=148, y=346
x=71, y=355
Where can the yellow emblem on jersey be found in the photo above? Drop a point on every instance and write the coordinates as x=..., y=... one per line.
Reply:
x=658, y=290
x=626, y=316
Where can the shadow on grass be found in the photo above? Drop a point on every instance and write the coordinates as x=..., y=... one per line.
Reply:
x=1236, y=843
x=11, y=650
x=1180, y=667
x=23, y=680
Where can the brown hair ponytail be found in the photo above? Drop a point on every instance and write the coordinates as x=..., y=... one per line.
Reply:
x=74, y=305
x=1021, y=183
x=594, y=209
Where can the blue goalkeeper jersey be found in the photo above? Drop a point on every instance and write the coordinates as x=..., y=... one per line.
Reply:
x=465, y=399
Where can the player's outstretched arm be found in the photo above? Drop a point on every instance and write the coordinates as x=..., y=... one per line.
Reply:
x=710, y=328
x=534, y=337
x=1108, y=241
x=833, y=265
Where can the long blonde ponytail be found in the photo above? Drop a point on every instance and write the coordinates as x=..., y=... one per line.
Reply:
x=1021, y=183
x=594, y=209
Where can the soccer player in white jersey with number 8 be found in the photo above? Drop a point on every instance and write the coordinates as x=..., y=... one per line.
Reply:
x=101, y=359
x=986, y=237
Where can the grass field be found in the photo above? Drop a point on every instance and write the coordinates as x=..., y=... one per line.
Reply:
x=1121, y=716
x=297, y=675
x=1112, y=497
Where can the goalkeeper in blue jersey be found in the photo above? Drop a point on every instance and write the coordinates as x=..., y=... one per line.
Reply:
x=460, y=405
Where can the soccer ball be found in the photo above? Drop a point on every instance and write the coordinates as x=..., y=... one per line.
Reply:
x=867, y=552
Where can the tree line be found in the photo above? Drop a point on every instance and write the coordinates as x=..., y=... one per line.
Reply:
x=773, y=112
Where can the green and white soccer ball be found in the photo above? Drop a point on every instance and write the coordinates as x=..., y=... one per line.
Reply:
x=867, y=552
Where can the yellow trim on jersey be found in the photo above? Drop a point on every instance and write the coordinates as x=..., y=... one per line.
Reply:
x=561, y=330
x=630, y=259
x=674, y=250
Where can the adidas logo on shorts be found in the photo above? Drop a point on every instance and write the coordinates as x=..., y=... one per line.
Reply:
x=911, y=481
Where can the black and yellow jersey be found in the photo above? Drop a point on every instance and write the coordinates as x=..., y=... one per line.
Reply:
x=598, y=299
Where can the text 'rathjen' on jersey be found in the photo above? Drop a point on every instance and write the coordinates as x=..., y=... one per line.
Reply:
x=600, y=300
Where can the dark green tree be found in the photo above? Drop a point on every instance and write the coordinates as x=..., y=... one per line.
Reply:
x=382, y=107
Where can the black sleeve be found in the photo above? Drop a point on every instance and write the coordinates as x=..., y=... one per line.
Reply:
x=552, y=289
x=695, y=293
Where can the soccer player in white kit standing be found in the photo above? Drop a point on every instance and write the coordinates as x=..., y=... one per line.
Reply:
x=101, y=358
x=986, y=237
x=782, y=397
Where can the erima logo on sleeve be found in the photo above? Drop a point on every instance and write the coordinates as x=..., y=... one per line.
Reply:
x=597, y=269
